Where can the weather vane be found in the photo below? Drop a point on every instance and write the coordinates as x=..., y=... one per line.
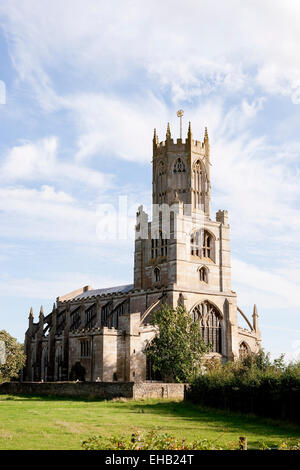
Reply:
x=180, y=113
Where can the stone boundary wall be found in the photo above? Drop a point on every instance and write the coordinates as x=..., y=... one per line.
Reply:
x=158, y=390
x=105, y=390
x=90, y=390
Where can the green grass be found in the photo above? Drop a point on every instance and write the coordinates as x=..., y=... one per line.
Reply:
x=59, y=423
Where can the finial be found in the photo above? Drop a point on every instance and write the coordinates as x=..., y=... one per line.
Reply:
x=255, y=317
x=31, y=313
x=168, y=135
x=42, y=311
x=155, y=137
x=190, y=131
x=180, y=113
x=205, y=134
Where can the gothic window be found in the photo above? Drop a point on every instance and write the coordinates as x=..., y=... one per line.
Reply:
x=159, y=246
x=203, y=274
x=90, y=316
x=75, y=319
x=150, y=373
x=156, y=274
x=118, y=311
x=196, y=244
x=61, y=322
x=244, y=349
x=179, y=166
x=210, y=324
x=201, y=244
x=206, y=248
x=85, y=348
x=105, y=311
x=160, y=187
x=197, y=183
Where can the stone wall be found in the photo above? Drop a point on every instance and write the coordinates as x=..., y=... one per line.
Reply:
x=70, y=389
x=158, y=390
x=105, y=390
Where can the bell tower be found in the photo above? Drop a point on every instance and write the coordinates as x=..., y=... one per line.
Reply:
x=181, y=171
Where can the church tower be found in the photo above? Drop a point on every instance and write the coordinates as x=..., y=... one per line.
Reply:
x=182, y=246
x=183, y=251
x=181, y=170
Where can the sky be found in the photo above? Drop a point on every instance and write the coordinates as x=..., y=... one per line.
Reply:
x=82, y=85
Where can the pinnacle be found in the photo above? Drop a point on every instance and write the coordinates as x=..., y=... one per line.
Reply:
x=168, y=135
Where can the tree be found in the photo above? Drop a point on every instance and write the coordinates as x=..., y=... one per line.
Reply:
x=14, y=357
x=178, y=347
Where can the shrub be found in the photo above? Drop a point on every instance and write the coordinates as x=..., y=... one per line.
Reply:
x=253, y=384
x=149, y=441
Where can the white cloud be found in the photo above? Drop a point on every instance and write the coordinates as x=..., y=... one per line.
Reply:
x=57, y=285
x=39, y=161
x=266, y=288
x=192, y=50
x=115, y=126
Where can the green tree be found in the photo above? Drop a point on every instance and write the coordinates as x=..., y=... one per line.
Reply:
x=14, y=357
x=177, y=349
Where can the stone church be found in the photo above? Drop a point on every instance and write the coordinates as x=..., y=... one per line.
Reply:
x=182, y=257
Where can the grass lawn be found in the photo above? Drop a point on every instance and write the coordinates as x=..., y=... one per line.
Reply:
x=59, y=423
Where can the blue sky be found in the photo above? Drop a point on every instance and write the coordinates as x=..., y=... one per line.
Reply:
x=86, y=83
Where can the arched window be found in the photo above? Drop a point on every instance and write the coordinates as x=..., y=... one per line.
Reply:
x=179, y=166
x=156, y=274
x=201, y=244
x=244, y=349
x=197, y=183
x=159, y=246
x=203, y=274
x=150, y=373
x=161, y=182
x=210, y=323
x=206, y=247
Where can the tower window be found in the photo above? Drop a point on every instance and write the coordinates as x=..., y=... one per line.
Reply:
x=179, y=166
x=206, y=248
x=201, y=244
x=159, y=246
x=156, y=274
x=160, y=183
x=203, y=275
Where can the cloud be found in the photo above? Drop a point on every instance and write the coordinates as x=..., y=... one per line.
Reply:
x=266, y=288
x=36, y=161
x=51, y=215
x=192, y=51
x=58, y=284
x=120, y=127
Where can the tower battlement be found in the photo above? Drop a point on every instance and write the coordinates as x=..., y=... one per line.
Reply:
x=180, y=145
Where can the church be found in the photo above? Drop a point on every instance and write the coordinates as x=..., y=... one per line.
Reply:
x=182, y=257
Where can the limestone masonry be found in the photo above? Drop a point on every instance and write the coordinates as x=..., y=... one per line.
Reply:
x=182, y=257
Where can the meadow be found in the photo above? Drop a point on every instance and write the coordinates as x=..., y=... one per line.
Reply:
x=45, y=423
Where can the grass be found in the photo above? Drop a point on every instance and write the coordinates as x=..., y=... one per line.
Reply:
x=28, y=422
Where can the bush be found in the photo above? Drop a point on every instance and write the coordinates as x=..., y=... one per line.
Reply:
x=253, y=384
x=149, y=441
x=14, y=358
x=162, y=441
